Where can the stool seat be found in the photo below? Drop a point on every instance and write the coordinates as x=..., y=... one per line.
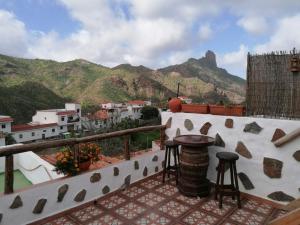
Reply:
x=171, y=144
x=228, y=156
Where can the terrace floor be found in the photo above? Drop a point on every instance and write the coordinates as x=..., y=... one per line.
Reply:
x=151, y=202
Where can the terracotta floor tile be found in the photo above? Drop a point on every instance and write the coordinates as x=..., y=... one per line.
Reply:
x=153, y=219
x=86, y=213
x=213, y=207
x=106, y=220
x=61, y=221
x=151, y=183
x=130, y=210
x=174, y=208
x=132, y=192
x=200, y=218
x=167, y=189
x=112, y=201
x=151, y=199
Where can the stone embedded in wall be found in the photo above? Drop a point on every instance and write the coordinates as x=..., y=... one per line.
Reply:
x=253, y=128
x=246, y=181
x=116, y=171
x=62, y=192
x=229, y=123
x=296, y=155
x=127, y=180
x=169, y=123
x=96, y=177
x=204, y=129
x=281, y=196
x=163, y=163
x=136, y=165
x=243, y=150
x=17, y=203
x=145, y=172
x=188, y=124
x=156, y=169
x=106, y=190
x=39, y=206
x=278, y=134
x=177, y=132
x=155, y=158
x=80, y=196
x=272, y=167
x=1, y=215
x=219, y=141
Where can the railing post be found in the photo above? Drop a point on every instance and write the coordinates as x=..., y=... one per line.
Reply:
x=9, y=174
x=162, y=138
x=126, y=148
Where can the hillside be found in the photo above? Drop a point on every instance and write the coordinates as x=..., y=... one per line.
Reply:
x=89, y=83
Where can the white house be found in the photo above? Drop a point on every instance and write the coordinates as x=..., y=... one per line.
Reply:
x=2, y=139
x=5, y=124
x=186, y=99
x=67, y=119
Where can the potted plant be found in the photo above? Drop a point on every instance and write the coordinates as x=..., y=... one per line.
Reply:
x=195, y=108
x=175, y=105
x=236, y=110
x=68, y=165
x=217, y=109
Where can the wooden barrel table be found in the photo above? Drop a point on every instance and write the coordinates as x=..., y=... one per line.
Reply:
x=193, y=164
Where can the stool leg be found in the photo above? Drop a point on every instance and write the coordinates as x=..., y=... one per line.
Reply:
x=176, y=165
x=165, y=165
x=222, y=183
x=218, y=181
x=237, y=185
x=231, y=179
x=169, y=160
x=178, y=158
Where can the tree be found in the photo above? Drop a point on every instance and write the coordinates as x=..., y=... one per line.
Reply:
x=149, y=112
x=9, y=139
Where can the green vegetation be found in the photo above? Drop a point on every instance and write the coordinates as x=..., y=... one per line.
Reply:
x=149, y=112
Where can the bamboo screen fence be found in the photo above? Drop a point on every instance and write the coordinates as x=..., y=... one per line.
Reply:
x=272, y=89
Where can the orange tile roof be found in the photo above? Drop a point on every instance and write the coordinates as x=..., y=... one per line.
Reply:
x=66, y=113
x=99, y=115
x=6, y=119
x=24, y=127
x=136, y=102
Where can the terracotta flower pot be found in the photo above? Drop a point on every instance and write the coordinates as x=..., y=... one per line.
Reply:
x=175, y=105
x=237, y=110
x=84, y=166
x=195, y=108
x=218, y=109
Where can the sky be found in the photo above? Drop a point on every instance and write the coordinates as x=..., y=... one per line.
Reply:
x=153, y=33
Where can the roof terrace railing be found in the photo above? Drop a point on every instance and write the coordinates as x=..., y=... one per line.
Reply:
x=9, y=151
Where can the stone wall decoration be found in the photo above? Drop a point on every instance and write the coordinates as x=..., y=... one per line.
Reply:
x=204, y=129
x=17, y=203
x=62, y=192
x=219, y=141
x=136, y=165
x=155, y=158
x=80, y=196
x=177, y=132
x=116, y=171
x=246, y=181
x=253, y=128
x=281, y=196
x=278, y=134
x=188, y=124
x=229, y=123
x=96, y=177
x=145, y=172
x=163, y=163
x=243, y=150
x=296, y=155
x=169, y=123
x=272, y=167
x=1, y=215
x=127, y=180
x=106, y=190
x=39, y=206
x=156, y=169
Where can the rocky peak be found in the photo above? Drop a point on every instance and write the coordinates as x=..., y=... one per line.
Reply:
x=209, y=59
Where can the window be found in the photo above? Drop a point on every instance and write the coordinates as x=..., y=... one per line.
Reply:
x=44, y=131
x=78, y=110
x=53, y=130
x=63, y=118
x=32, y=134
x=3, y=126
x=20, y=136
x=61, y=127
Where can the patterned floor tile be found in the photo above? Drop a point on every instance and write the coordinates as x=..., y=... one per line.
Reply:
x=151, y=183
x=130, y=210
x=61, y=221
x=247, y=218
x=106, y=220
x=133, y=191
x=258, y=207
x=153, y=219
x=190, y=200
x=151, y=199
x=213, y=206
x=200, y=218
x=167, y=189
x=174, y=209
x=112, y=201
x=87, y=213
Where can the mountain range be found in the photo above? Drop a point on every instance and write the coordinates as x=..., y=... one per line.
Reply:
x=30, y=84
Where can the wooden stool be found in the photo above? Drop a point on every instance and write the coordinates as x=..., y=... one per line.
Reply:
x=233, y=188
x=171, y=147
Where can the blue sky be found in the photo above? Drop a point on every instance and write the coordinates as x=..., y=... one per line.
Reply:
x=153, y=33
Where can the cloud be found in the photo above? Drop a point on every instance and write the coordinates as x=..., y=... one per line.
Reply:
x=254, y=25
x=13, y=35
x=236, y=61
x=205, y=32
x=285, y=37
